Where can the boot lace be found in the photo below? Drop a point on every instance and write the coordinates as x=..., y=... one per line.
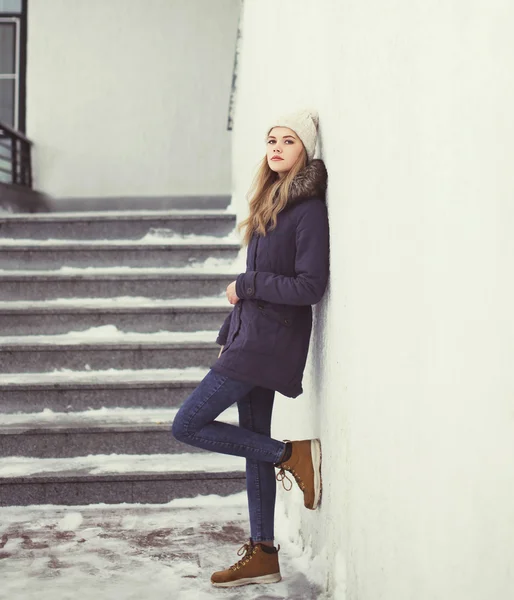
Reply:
x=248, y=550
x=282, y=478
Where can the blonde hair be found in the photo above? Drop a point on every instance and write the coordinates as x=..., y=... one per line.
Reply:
x=268, y=196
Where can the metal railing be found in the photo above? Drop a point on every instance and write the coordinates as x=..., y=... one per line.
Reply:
x=15, y=157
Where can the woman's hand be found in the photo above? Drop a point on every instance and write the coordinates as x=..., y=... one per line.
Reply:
x=231, y=293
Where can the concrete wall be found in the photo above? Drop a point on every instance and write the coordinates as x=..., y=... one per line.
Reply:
x=410, y=382
x=130, y=97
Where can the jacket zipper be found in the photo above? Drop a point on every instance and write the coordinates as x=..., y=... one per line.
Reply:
x=239, y=305
x=255, y=252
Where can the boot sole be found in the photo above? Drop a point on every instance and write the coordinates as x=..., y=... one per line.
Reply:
x=316, y=465
x=273, y=578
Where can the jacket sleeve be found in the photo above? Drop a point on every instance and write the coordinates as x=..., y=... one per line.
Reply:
x=311, y=266
x=223, y=332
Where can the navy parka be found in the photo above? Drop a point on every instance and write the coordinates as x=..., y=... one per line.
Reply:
x=266, y=336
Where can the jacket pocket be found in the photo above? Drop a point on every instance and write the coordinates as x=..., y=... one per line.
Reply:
x=283, y=316
x=267, y=328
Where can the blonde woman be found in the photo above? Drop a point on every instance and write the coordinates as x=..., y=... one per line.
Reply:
x=265, y=339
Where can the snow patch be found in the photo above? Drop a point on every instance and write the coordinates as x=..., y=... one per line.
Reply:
x=96, y=464
x=210, y=266
x=119, y=302
x=152, y=238
x=109, y=376
x=103, y=415
x=71, y=521
x=99, y=214
x=108, y=334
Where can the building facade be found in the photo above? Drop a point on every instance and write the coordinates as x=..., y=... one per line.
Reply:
x=121, y=98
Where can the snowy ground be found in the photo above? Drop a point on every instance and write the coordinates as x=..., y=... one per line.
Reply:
x=130, y=551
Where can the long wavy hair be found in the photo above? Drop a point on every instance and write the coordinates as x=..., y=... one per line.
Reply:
x=268, y=196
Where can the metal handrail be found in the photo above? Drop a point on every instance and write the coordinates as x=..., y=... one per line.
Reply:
x=15, y=157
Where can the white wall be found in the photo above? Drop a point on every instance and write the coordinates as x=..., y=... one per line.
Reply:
x=131, y=97
x=410, y=382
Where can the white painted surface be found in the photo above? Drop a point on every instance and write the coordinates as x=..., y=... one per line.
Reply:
x=409, y=382
x=130, y=97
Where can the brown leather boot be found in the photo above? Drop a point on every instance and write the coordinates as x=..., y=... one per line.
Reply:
x=305, y=466
x=258, y=565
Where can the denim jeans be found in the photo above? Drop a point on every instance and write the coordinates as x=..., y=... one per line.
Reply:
x=195, y=425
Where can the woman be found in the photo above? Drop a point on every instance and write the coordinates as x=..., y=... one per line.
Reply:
x=265, y=339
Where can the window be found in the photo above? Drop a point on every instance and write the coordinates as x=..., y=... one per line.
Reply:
x=12, y=63
x=10, y=6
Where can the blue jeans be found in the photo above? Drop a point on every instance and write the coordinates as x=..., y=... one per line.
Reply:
x=195, y=425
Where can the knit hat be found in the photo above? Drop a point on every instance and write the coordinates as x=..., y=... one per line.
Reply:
x=304, y=123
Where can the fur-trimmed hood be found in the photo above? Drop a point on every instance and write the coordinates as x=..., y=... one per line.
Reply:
x=310, y=181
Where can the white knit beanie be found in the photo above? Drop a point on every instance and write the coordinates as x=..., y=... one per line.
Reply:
x=304, y=123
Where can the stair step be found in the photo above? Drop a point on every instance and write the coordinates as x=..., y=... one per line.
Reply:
x=114, y=479
x=47, y=254
x=104, y=431
x=144, y=203
x=142, y=315
x=71, y=391
x=108, y=321
x=98, y=351
x=115, y=224
x=96, y=282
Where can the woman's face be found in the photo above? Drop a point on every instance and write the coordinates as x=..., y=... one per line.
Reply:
x=284, y=144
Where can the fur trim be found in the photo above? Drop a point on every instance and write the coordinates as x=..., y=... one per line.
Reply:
x=310, y=181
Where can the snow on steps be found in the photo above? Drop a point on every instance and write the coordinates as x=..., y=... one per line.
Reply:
x=115, y=224
x=110, y=382
x=138, y=315
x=58, y=435
x=134, y=303
x=158, y=239
x=106, y=347
x=117, y=478
x=173, y=251
x=67, y=390
x=207, y=279
x=116, y=464
x=135, y=377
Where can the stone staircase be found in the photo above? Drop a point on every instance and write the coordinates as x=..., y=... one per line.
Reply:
x=108, y=321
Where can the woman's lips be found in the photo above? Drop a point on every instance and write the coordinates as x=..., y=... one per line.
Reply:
x=277, y=158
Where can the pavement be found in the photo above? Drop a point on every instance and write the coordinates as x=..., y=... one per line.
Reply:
x=135, y=551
